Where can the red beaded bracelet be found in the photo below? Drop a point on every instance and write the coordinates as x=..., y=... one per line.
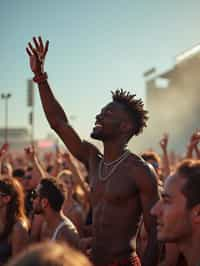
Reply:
x=40, y=78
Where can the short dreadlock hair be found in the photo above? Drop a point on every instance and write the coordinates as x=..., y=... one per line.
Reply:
x=135, y=107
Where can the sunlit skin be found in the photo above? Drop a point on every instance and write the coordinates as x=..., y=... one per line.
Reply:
x=130, y=190
x=176, y=223
x=171, y=206
x=52, y=219
x=71, y=208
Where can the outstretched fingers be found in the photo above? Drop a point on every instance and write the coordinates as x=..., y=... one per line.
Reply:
x=33, y=50
x=41, y=43
x=37, y=45
x=46, y=48
x=29, y=52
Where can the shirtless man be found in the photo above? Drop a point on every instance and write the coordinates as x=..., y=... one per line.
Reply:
x=48, y=202
x=122, y=185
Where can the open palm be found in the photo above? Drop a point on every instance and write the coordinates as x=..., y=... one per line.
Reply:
x=37, y=54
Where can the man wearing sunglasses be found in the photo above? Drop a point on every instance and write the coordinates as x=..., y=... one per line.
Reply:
x=48, y=200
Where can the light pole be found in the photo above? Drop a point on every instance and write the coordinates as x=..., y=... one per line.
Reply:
x=6, y=96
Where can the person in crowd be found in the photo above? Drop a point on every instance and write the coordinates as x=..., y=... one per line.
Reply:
x=154, y=159
x=49, y=198
x=5, y=167
x=14, y=224
x=19, y=174
x=178, y=211
x=165, y=162
x=71, y=207
x=50, y=254
x=122, y=185
x=193, y=145
x=33, y=174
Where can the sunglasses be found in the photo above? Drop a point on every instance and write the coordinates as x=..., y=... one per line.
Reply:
x=28, y=177
x=3, y=194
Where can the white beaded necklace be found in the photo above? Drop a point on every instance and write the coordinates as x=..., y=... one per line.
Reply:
x=114, y=163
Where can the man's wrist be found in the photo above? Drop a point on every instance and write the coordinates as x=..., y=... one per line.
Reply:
x=40, y=77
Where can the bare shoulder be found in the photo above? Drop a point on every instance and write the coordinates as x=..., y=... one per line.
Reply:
x=144, y=174
x=20, y=227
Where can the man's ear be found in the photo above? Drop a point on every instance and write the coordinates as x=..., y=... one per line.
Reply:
x=196, y=214
x=44, y=203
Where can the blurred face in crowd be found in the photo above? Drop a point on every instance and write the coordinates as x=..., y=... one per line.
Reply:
x=174, y=222
x=68, y=181
x=28, y=181
x=7, y=169
x=4, y=199
x=37, y=205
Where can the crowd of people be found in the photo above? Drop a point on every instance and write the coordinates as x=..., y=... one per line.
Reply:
x=83, y=207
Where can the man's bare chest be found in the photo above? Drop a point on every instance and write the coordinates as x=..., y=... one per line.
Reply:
x=117, y=188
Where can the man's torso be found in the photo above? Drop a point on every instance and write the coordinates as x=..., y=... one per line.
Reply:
x=116, y=208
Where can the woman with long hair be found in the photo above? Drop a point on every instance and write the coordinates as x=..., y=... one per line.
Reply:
x=14, y=224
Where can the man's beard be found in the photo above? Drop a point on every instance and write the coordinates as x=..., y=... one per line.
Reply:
x=37, y=211
x=96, y=136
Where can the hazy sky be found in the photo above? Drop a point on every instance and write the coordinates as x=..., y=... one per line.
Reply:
x=95, y=46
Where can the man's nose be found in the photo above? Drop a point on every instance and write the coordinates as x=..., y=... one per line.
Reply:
x=98, y=116
x=155, y=210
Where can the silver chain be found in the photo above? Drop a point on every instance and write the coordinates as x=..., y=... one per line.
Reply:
x=116, y=162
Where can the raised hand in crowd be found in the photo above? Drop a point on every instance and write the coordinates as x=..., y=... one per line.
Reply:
x=58, y=162
x=37, y=54
x=193, y=145
x=165, y=157
x=77, y=204
x=3, y=149
x=78, y=176
x=5, y=165
x=38, y=172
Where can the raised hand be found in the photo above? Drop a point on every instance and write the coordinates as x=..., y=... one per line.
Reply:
x=193, y=142
x=3, y=149
x=30, y=152
x=37, y=54
x=195, y=138
x=164, y=141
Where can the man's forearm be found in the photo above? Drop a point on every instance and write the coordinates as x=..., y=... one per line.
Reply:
x=53, y=110
x=197, y=150
x=189, y=152
x=165, y=164
x=39, y=172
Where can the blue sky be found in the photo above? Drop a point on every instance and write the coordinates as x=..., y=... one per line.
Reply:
x=95, y=46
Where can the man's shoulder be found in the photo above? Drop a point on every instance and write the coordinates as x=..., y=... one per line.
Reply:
x=20, y=229
x=68, y=232
x=137, y=162
x=142, y=171
x=68, y=225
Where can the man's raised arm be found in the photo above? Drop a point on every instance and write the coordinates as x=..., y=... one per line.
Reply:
x=53, y=110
